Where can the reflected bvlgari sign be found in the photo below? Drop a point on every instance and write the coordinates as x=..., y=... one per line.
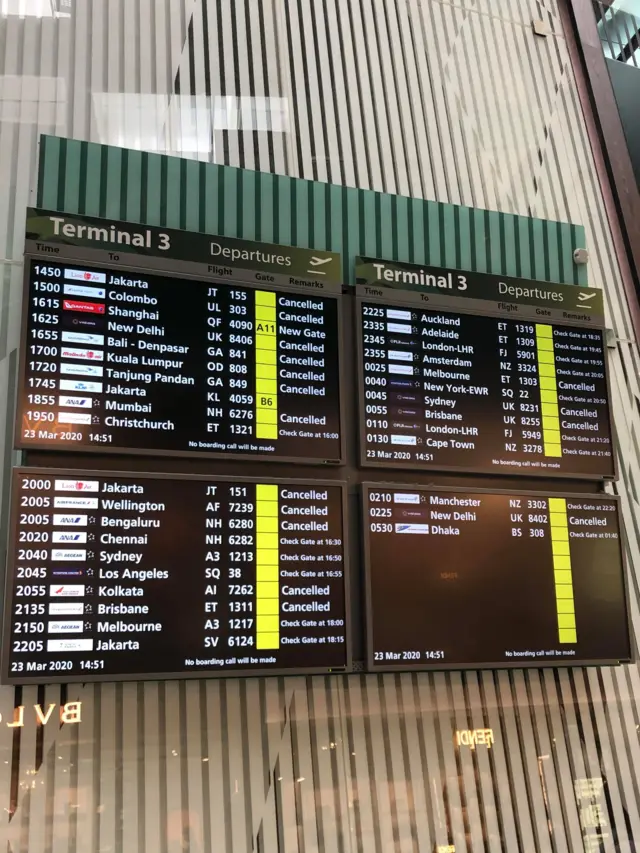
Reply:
x=70, y=712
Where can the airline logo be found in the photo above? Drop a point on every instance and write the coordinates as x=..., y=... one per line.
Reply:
x=81, y=369
x=412, y=528
x=84, y=307
x=68, y=573
x=83, y=290
x=68, y=536
x=85, y=275
x=70, y=520
x=404, y=439
x=403, y=383
x=59, y=555
x=83, y=338
x=68, y=626
x=84, y=354
x=66, y=590
x=75, y=503
x=78, y=402
x=69, y=645
x=77, y=486
x=395, y=314
x=401, y=498
x=73, y=418
x=83, y=322
x=79, y=385
x=405, y=369
x=71, y=608
x=395, y=355
x=399, y=328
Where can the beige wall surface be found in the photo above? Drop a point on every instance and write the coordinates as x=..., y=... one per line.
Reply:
x=450, y=101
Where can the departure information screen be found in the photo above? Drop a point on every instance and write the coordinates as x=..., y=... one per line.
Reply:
x=462, y=391
x=471, y=578
x=117, y=360
x=115, y=576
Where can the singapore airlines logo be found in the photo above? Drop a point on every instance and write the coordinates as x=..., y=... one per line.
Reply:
x=318, y=262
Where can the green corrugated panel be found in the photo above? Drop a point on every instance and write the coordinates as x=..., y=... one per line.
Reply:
x=282, y=211
x=416, y=236
x=100, y=180
x=432, y=247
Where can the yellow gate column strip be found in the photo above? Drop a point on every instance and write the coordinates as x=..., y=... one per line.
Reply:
x=266, y=365
x=548, y=390
x=267, y=568
x=563, y=576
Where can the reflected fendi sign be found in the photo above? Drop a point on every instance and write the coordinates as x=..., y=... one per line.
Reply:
x=474, y=737
x=225, y=257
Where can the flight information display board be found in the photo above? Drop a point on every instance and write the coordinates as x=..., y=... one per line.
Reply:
x=458, y=391
x=116, y=576
x=129, y=361
x=472, y=578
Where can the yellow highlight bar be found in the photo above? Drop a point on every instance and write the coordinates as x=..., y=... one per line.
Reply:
x=267, y=401
x=548, y=383
x=267, y=574
x=565, y=605
x=552, y=438
x=560, y=549
x=564, y=590
x=558, y=519
x=264, y=313
x=267, y=492
x=544, y=345
x=269, y=540
x=552, y=450
x=563, y=577
x=267, y=431
x=560, y=534
x=266, y=556
x=267, y=589
x=265, y=344
x=543, y=330
x=549, y=422
x=268, y=624
x=566, y=620
x=567, y=635
x=547, y=369
x=265, y=524
x=269, y=508
x=266, y=386
x=265, y=297
x=267, y=641
x=264, y=354
x=267, y=606
x=266, y=371
x=267, y=416
x=546, y=356
x=549, y=397
x=265, y=329
x=557, y=505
